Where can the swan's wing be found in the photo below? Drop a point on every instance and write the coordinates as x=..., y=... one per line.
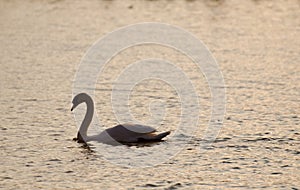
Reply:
x=129, y=132
x=137, y=128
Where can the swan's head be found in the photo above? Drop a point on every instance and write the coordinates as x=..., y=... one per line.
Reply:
x=78, y=99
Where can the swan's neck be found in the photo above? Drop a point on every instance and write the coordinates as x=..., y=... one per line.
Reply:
x=87, y=119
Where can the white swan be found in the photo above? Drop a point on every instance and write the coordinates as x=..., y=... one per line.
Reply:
x=125, y=133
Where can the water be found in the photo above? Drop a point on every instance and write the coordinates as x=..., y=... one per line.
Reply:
x=256, y=44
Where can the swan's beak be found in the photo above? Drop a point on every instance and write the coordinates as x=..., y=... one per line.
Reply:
x=72, y=107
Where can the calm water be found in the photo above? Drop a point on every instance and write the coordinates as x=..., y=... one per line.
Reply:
x=256, y=45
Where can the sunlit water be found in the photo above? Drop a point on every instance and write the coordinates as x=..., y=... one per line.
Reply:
x=256, y=44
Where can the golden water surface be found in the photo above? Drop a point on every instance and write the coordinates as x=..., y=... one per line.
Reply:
x=255, y=42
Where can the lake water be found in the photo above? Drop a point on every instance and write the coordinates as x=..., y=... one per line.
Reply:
x=256, y=44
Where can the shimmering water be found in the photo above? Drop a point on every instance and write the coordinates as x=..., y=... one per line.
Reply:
x=256, y=44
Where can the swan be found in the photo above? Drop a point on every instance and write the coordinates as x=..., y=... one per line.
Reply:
x=122, y=133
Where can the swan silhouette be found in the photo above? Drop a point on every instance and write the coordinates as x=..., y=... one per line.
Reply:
x=123, y=133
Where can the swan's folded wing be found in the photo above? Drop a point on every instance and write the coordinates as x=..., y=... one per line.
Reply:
x=137, y=128
x=129, y=132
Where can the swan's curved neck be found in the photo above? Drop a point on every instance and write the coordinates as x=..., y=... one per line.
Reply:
x=87, y=118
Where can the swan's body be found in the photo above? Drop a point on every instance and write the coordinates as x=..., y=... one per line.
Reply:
x=125, y=133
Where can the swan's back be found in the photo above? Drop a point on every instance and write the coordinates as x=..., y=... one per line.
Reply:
x=136, y=128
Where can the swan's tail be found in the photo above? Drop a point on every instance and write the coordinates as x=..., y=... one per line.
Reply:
x=162, y=135
x=153, y=137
